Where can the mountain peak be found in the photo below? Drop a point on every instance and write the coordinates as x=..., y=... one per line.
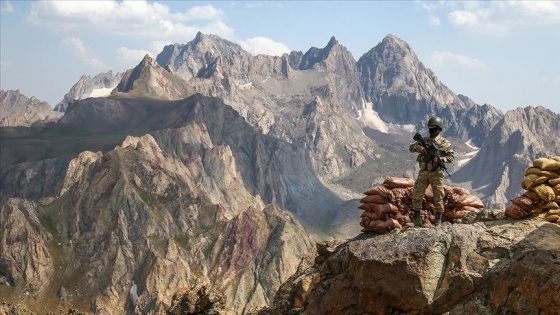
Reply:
x=147, y=61
x=332, y=42
x=149, y=79
x=393, y=41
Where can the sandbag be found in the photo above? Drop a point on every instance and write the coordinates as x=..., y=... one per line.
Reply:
x=556, y=189
x=555, y=158
x=553, y=181
x=524, y=202
x=545, y=192
x=393, y=201
x=547, y=164
x=375, y=199
x=379, y=190
x=460, y=191
x=532, y=195
x=532, y=180
x=538, y=171
x=469, y=209
x=366, y=206
x=379, y=208
x=371, y=215
x=401, y=218
x=554, y=211
x=516, y=212
x=381, y=226
x=398, y=182
x=552, y=218
x=550, y=205
x=454, y=214
x=401, y=193
x=468, y=200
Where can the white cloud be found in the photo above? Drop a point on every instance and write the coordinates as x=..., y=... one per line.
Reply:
x=6, y=7
x=434, y=20
x=207, y=12
x=84, y=53
x=132, y=56
x=263, y=45
x=158, y=45
x=497, y=17
x=128, y=18
x=441, y=59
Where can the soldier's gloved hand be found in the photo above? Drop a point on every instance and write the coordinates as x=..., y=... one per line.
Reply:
x=422, y=150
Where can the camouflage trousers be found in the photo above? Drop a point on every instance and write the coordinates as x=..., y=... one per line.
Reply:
x=424, y=179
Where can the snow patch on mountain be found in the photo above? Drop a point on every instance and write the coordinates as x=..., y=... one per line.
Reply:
x=370, y=117
x=100, y=92
x=468, y=155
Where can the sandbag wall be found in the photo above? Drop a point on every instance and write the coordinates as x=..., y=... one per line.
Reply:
x=542, y=191
x=389, y=205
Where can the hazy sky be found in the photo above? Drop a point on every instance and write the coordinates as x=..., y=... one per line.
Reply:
x=504, y=53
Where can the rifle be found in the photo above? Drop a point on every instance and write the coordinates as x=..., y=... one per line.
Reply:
x=432, y=152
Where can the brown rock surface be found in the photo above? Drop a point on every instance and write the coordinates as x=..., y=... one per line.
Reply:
x=494, y=267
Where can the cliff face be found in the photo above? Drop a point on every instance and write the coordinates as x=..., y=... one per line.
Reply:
x=404, y=91
x=311, y=99
x=137, y=219
x=500, y=266
x=524, y=135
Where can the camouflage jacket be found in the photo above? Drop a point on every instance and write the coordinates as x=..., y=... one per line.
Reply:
x=445, y=151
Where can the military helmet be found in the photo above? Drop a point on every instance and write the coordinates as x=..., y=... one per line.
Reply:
x=436, y=121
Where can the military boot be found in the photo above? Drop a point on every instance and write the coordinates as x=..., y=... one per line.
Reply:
x=438, y=218
x=417, y=221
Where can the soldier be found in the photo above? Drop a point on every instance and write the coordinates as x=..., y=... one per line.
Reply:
x=430, y=171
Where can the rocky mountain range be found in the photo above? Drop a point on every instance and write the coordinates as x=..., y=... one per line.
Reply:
x=17, y=109
x=211, y=166
x=99, y=86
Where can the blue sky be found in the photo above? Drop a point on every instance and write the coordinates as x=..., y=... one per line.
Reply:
x=504, y=53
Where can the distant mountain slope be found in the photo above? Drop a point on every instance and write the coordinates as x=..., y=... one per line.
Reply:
x=524, y=135
x=148, y=79
x=403, y=91
x=99, y=86
x=279, y=172
x=17, y=109
x=341, y=109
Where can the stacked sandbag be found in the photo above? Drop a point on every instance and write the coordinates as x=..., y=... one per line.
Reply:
x=389, y=205
x=542, y=195
x=381, y=212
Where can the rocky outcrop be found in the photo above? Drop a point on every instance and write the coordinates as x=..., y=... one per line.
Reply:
x=32, y=180
x=25, y=260
x=133, y=225
x=493, y=267
x=100, y=85
x=198, y=299
x=150, y=80
x=17, y=109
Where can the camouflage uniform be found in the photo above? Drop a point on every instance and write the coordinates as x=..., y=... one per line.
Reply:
x=430, y=175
